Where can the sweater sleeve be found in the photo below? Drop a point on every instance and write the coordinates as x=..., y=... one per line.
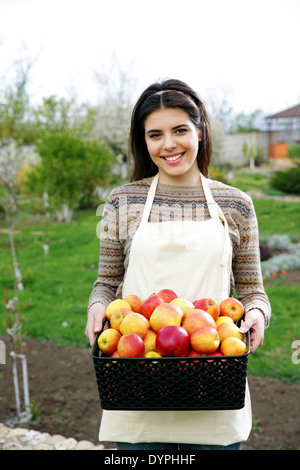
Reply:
x=111, y=260
x=247, y=266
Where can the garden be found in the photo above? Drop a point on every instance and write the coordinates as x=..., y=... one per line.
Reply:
x=52, y=304
x=49, y=252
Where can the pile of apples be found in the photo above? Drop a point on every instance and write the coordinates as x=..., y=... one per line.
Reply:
x=164, y=325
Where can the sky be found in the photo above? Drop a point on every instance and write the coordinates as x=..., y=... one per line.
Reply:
x=246, y=52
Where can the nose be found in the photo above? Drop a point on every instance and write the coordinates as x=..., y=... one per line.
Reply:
x=169, y=142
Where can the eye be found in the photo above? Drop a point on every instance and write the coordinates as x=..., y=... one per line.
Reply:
x=154, y=136
x=181, y=131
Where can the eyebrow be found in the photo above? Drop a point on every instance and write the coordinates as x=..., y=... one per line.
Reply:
x=173, y=128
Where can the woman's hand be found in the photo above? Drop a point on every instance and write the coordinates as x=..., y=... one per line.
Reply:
x=96, y=316
x=254, y=320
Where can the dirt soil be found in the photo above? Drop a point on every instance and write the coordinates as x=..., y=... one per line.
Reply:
x=63, y=385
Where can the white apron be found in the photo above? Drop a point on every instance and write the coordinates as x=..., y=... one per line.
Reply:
x=193, y=259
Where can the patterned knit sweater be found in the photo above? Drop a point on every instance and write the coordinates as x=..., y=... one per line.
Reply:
x=121, y=217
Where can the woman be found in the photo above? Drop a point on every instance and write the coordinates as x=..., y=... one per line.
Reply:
x=172, y=227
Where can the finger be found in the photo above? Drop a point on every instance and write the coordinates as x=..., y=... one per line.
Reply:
x=90, y=335
x=256, y=340
x=246, y=325
x=92, y=328
x=97, y=326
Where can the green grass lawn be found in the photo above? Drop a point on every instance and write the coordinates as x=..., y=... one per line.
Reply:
x=274, y=358
x=56, y=291
x=278, y=217
x=55, y=297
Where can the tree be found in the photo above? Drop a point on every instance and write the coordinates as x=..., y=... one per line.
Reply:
x=114, y=110
x=61, y=116
x=15, y=110
x=248, y=122
x=10, y=161
x=70, y=169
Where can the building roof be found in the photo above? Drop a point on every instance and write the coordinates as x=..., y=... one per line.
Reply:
x=287, y=113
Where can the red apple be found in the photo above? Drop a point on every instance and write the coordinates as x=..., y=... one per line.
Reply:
x=233, y=347
x=205, y=340
x=115, y=354
x=217, y=353
x=167, y=295
x=208, y=305
x=232, y=308
x=108, y=340
x=134, y=301
x=194, y=353
x=229, y=329
x=134, y=323
x=164, y=315
x=172, y=341
x=149, y=305
x=196, y=318
x=131, y=345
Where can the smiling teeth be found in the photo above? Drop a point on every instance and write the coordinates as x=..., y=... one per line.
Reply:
x=171, y=159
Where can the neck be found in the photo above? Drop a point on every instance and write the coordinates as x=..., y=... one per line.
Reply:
x=182, y=180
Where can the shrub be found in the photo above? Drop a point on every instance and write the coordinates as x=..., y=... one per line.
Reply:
x=215, y=173
x=286, y=261
x=294, y=153
x=280, y=242
x=71, y=169
x=287, y=181
x=265, y=252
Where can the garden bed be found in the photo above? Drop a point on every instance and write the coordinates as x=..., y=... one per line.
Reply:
x=63, y=386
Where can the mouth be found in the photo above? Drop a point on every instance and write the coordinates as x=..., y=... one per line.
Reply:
x=173, y=158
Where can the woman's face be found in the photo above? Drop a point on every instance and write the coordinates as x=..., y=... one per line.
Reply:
x=172, y=140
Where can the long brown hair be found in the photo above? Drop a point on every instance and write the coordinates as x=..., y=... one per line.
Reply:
x=150, y=101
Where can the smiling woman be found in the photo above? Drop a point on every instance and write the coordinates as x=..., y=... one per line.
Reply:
x=165, y=120
x=172, y=141
x=206, y=253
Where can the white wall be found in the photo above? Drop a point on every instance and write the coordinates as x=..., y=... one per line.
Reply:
x=231, y=148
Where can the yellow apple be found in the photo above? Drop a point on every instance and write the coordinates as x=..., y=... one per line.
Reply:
x=118, y=316
x=233, y=347
x=134, y=323
x=108, y=340
x=227, y=329
x=149, y=340
x=134, y=301
x=164, y=315
x=184, y=304
x=152, y=354
x=223, y=318
x=115, y=305
x=205, y=340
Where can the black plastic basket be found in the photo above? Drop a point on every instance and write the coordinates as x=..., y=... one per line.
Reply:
x=171, y=383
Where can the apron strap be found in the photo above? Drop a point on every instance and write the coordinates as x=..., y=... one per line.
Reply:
x=216, y=211
x=149, y=200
